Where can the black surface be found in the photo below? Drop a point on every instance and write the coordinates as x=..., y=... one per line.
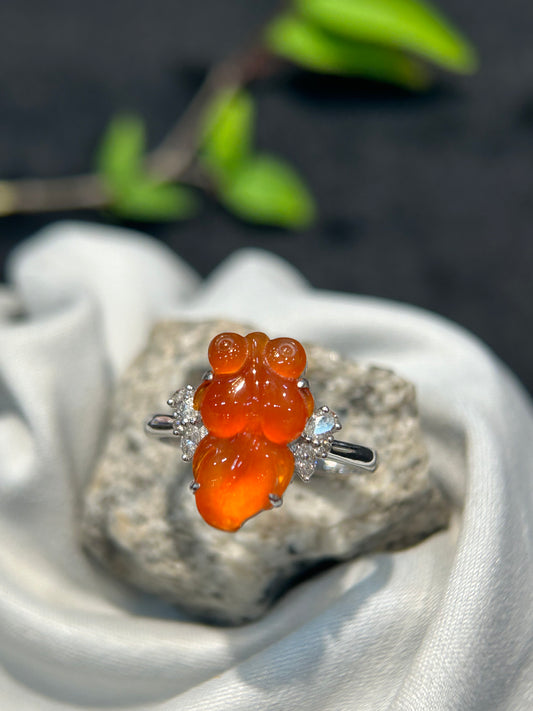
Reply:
x=424, y=199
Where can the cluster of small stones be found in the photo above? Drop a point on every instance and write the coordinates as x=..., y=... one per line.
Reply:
x=141, y=522
x=315, y=442
x=187, y=422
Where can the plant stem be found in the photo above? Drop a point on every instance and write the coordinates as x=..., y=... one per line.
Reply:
x=177, y=150
x=171, y=160
x=48, y=194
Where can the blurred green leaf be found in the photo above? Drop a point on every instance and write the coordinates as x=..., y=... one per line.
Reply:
x=412, y=25
x=121, y=151
x=228, y=129
x=135, y=194
x=268, y=191
x=147, y=199
x=257, y=188
x=312, y=47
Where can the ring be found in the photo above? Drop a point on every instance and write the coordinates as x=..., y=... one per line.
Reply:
x=250, y=426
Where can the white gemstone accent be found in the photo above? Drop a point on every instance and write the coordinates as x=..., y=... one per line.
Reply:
x=191, y=439
x=315, y=442
x=324, y=424
x=304, y=459
x=187, y=421
x=321, y=424
x=183, y=403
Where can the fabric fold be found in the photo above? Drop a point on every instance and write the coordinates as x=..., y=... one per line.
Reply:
x=447, y=624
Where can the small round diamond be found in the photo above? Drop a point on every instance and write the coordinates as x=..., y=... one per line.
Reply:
x=185, y=413
x=183, y=403
x=191, y=439
x=187, y=421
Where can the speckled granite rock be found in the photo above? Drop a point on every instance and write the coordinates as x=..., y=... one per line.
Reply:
x=140, y=518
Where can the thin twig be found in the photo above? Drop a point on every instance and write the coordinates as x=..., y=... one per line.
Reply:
x=74, y=192
x=177, y=150
x=172, y=159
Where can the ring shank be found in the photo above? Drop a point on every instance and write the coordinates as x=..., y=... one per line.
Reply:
x=343, y=458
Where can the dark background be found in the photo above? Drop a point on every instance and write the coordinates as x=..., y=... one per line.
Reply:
x=425, y=199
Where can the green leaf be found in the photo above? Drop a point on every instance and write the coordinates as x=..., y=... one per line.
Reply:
x=314, y=48
x=121, y=151
x=147, y=199
x=412, y=25
x=228, y=128
x=134, y=193
x=257, y=188
x=267, y=190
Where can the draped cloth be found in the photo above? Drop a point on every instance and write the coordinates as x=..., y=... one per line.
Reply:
x=447, y=624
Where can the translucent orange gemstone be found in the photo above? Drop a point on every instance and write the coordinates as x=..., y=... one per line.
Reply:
x=252, y=408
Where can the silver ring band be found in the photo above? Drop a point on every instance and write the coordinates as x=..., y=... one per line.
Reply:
x=343, y=456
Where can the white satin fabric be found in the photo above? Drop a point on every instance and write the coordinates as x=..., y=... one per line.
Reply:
x=445, y=625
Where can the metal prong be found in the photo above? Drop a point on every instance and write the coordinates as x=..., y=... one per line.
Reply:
x=275, y=500
x=208, y=375
x=325, y=408
x=194, y=486
x=302, y=383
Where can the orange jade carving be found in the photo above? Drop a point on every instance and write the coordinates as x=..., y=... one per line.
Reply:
x=252, y=408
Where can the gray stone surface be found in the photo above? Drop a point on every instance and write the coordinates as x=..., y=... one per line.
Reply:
x=140, y=519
